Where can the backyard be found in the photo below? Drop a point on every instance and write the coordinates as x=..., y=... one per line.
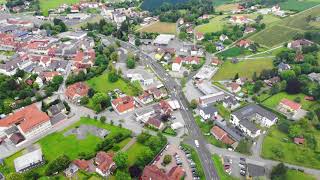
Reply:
x=57, y=144
x=160, y=27
x=102, y=84
x=245, y=68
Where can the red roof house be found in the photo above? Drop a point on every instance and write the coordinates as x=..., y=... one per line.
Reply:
x=82, y=164
x=153, y=173
x=298, y=140
x=290, y=105
x=76, y=91
x=244, y=43
x=123, y=104
x=176, y=173
x=105, y=164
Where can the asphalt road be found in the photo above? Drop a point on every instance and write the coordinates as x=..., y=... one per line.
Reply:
x=175, y=90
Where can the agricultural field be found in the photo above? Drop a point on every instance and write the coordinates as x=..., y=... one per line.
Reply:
x=46, y=5
x=298, y=5
x=245, y=68
x=215, y=24
x=160, y=27
x=102, y=84
x=57, y=144
x=273, y=101
x=279, y=146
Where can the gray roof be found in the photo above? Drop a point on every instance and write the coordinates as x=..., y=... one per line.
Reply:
x=209, y=109
x=230, y=100
x=57, y=108
x=57, y=118
x=28, y=160
x=231, y=131
x=144, y=111
x=251, y=110
x=249, y=125
x=255, y=170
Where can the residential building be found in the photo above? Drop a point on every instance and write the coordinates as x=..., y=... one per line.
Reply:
x=76, y=91
x=145, y=98
x=246, y=117
x=233, y=87
x=283, y=67
x=230, y=102
x=56, y=109
x=123, y=104
x=208, y=112
x=199, y=36
x=245, y=43
x=211, y=98
x=221, y=135
x=29, y=161
x=177, y=63
x=299, y=43
x=155, y=122
x=105, y=164
x=223, y=37
x=152, y=172
x=289, y=106
x=144, y=114
x=314, y=77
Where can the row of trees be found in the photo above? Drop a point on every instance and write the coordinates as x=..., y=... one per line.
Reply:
x=57, y=27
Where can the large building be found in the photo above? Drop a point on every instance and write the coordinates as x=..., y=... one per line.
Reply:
x=76, y=91
x=28, y=121
x=123, y=104
x=29, y=161
x=246, y=117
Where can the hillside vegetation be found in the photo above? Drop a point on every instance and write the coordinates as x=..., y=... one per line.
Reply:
x=154, y=4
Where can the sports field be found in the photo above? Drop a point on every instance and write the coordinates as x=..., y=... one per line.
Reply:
x=160, y=27
x=45, y=5
x=245, y=69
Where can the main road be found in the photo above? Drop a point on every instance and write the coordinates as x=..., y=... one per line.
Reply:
x=175, y=91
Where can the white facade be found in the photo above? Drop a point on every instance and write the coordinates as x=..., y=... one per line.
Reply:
x=41, y=128
x=176, y=66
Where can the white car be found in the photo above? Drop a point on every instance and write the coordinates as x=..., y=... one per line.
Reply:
x=197, y=143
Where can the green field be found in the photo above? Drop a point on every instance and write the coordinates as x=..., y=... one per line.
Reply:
x=134, y=151
x=46, y=5
x=101, y=84
x=298, y=5
x=215, y=24
x=274, y=100
x=245, y=68
x=232, y=52
x=284, y=30
x=219, y=167
x=291, y=153
x=160, y=27
x=56, y=144
x=297, y=175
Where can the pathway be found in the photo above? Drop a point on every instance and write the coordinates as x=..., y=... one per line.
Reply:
x=129, y=144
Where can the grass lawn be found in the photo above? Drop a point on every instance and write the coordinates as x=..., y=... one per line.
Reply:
x=56, y=144
x=291, y=153
x=101, y=84
x=219, y=167
x=298, y=5
x=297, y=175
x=160, y=27
x=223, y=112
x=274, y=100
x=232, y=52
x=215, y=24
x=227, y=7
x=133, y=152
x=245, y=68
x=46, y=5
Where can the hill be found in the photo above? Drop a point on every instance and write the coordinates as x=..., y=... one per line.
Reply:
x=286, y=29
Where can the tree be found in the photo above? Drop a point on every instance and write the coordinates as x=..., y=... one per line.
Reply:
x=257, y=86
x=114, y=56
x=103, y=119
x=183, y=35
x=113, y=76
x=84, y=100
x=134, y=171
x=295, y=130
x=279, y=172
x=286, y=75
x=193, y=104
x=236, y=76
x=293, y=86
x=32, y=175
x=14, y=176
x=167, y=159
x=130, y=63
x=144, y=157
x=121, y=160
x=121, y=175
x=244, y=147
x=100, y=101
x=254, y=76
x=137, y=42
x=57, y=165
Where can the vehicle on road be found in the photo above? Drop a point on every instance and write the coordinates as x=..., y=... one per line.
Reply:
x=197, y=143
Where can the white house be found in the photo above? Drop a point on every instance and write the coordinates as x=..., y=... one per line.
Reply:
x=177, y=63
x=208, y=112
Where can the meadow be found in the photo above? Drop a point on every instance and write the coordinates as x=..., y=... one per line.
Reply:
x=298, y=5
x=46, y=5
x=215, y=24
x=245, y=68
x=160, y=27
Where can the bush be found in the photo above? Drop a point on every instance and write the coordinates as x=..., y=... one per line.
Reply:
x=58, y=165
x=167, y=159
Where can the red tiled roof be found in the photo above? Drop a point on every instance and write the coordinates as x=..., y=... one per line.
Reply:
x=176, y=173
x=79, y=56
x=49, y=75
x=234, y=86
x=153, y=173
x=298, y=140
x=104, y=161
x=82, y=164
x=218, y=132
x=178, y=60
x=244, y=42
x=192, y=58
x=79, y=88
x=27, y=118
x=154, y=122
x=227, y=140
x=123, y=104
x=291, y=104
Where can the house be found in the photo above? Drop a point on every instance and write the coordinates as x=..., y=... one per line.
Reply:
x=165, y=107
x=155, y=122
x=244, y=117
x=239, y=20
x=190, y=30
x=208, y=112
x=298, y=140
x=71, y=170
x=272, y=81
x=157, y=93
x=81, y=164
x=223, y=37
x=176, y=173
x=233, y=87
x=241, y=81
x=76, y=91
x=145, y=98
x=48, y=76
x=255, y=171
x=29, y=161
x=230, y=102
x=140, y=75
x=299, y=43
x=104, y=163
x=221, y=135
x=199, y=36
x=289, y=106
x=177, y=63
x=56, y=109
x=191, y=60
x=215, y=61
x=283, y=67
x=29, y=121
x=245, y=43
x=299, y=57
x=249, y=30
x=314, y=77
x=152, y=172
x=123, y=104
x=144, y=114
x=211, y=98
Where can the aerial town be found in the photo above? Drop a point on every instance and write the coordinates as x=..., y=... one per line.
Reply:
x=160, y=89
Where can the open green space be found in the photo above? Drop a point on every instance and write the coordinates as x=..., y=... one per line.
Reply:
x=134, y=151
x=216, y=24
x=46, y=5
x=219, y=167
x=245, y=68
x=278, y=146
x=273, y=101
x=297, y=175
x=298, y=5
x=102, y=84
x=160, y=27
x=232, y=52
x=56, y=144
